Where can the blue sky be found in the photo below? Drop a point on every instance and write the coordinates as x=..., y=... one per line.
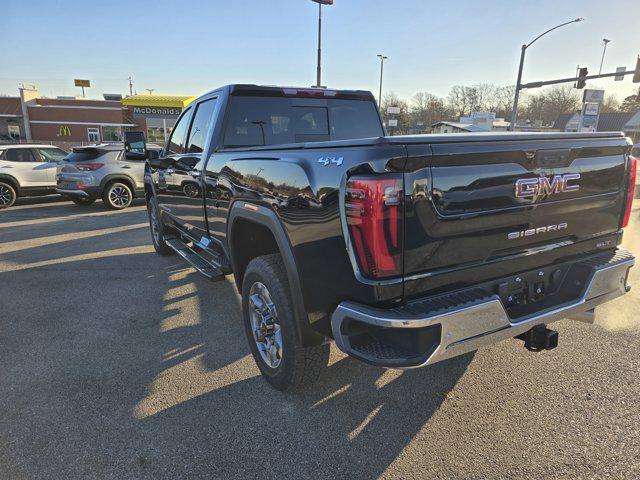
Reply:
x=189, y=47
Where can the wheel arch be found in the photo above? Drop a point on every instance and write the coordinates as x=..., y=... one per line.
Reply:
x=11, y=181
x=254, y=231
x=121, y=178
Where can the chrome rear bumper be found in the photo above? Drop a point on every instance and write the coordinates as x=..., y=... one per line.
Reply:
x=470, y=320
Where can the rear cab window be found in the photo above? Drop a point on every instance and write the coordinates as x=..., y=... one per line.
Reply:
x=258, y=121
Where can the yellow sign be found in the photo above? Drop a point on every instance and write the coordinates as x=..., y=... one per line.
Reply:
x=169, y=101
x=64, y=131
x=81, y=83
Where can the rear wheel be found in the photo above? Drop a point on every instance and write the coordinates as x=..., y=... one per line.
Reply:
x=7, y=195
x=83, y=201
x=269, y=322
x=117, y=195
x=191, y=190
x=157, y=228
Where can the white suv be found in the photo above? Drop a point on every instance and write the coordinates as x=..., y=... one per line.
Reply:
x=27, y=170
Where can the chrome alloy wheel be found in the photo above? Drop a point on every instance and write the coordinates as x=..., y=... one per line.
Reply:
x=190, y=190
x=5, y=195
x=264, y=325
x=155, y=227
x=119, y=196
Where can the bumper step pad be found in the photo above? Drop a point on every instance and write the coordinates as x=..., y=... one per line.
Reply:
x=432, y=329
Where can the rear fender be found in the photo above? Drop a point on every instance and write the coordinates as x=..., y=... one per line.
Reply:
x=267, y=218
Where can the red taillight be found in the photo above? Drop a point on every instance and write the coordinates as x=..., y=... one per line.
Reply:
x=630, y=190
x=373, y=207
x=86, y=167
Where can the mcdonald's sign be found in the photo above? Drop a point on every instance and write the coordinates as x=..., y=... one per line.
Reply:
x=64, y=131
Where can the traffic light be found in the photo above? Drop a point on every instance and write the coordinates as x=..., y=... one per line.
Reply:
x=636, y=76
x=581, y=77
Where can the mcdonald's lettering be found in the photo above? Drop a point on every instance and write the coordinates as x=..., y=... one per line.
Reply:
x=64, y=131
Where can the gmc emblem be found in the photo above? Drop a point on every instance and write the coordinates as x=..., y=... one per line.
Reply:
x=532, y=187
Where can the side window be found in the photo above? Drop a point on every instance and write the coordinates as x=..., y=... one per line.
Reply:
x=200, y=126
x=20, y=155
x=178, y=135
x=52, y=154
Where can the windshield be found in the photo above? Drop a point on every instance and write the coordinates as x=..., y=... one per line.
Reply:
x=257, y=121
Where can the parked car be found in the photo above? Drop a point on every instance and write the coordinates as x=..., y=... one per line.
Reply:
x=27, y=170
x=100, y=171
x=406, y=250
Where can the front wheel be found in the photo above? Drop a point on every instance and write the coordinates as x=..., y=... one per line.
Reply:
x=157, y=228
x=117, y=195
x=269, y=322
x=7, y=195
x=83, y=201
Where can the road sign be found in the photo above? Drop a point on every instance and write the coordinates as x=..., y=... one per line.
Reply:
x=591, y=108
x=393, y=110
x=593, y=96
x=393, y=122
x=81, y=83
x=619, y=78
x=324, y=2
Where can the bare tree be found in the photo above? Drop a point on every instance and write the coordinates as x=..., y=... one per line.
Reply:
x=427, y=109
x=392, y=100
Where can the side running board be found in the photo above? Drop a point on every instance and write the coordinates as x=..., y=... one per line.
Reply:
x=195, y=259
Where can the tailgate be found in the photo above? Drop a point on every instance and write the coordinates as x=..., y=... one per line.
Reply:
x=498, y=200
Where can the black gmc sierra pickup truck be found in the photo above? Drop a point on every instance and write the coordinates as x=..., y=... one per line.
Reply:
x=405, y=250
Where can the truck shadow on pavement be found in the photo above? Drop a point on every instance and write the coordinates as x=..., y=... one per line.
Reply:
x=131, y=365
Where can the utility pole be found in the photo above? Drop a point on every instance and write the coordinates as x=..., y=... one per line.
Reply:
x=605, y=41
x=514, y=113
x=130, y=86
x=382, y=59
x=150, y=90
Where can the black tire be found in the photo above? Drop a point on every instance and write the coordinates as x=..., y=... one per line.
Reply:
x=157, y=236
x=83, y=201
x=297, y=366
x=117, y=195
x=191, y=190
x=8, y=195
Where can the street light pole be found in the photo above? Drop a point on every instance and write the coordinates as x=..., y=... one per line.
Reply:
x=382, y=59
x=319, y=68
x=514, y=113
x=605, y=41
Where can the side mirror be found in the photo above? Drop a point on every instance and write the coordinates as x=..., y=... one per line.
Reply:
x=134, y=155
x=135, y=147
x=156, y=162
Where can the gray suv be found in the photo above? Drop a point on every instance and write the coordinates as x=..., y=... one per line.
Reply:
x=104, y=171
x=100, y=171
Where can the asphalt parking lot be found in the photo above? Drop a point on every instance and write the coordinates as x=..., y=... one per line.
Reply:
x=118, y=363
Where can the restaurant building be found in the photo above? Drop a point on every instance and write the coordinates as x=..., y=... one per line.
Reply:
x=156, y=114
x=69, y=121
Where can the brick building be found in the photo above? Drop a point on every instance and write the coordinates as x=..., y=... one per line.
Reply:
x=68, y=121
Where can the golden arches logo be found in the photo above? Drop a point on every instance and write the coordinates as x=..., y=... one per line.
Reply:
x=64, y=131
